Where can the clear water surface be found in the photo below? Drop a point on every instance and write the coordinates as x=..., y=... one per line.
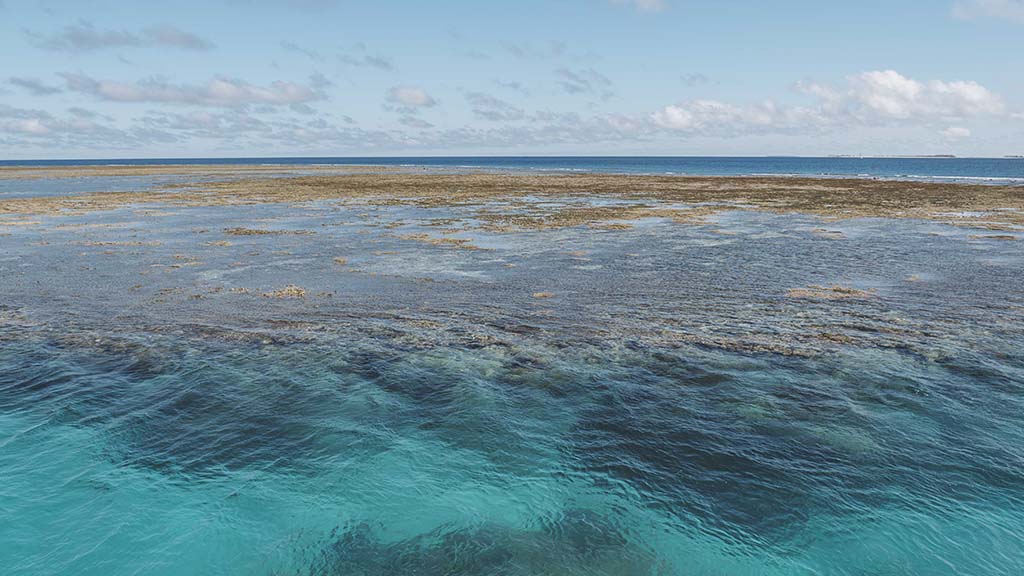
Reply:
x=669, y=409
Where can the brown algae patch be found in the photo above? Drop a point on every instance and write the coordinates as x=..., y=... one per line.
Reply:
x=834, y=292
x=463, y=243
x=543, y=295
x=20, y=223
x=289, y=291
x=542, y=217
x=1005, y=237
x=185, y=260
x=239, y=231
x=341, y=261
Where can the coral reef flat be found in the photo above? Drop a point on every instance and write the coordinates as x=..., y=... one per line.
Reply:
x=394, y=370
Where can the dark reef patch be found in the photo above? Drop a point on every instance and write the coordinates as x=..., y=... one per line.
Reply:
x=580, y=542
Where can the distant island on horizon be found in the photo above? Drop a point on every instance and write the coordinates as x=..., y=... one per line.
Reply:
x=942, y=156
x=892, y=156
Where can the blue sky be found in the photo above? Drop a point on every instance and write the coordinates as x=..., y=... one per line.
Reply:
x=101, y=78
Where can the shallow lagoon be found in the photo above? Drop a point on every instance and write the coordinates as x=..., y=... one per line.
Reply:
x=668, y=408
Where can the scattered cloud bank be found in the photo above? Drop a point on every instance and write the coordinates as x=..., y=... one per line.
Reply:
x=234, y=113
x=1012, y=10
x=248, y=129
x=79, y=126
x=22, y=120
x=83, y=36
x=219, y=91
x=871, y=98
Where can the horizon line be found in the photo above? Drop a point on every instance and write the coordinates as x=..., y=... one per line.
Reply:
x=536, y=156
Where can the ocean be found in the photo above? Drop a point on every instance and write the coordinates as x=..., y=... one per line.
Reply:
x=984, y=170
x=354, y=388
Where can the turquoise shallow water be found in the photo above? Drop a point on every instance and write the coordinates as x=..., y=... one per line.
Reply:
x=669, y=410
x=614, y=461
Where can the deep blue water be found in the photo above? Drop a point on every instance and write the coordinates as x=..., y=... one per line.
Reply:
x=992, y=170
x=669, y=410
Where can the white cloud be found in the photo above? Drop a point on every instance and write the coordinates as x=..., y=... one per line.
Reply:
x=716, y=116
x=219, y=91
x=28, y=126
x=645, y=5
x=956, y=133
x=893, y=95
x=411, y=97
x=871, y=98
x=84, y=36
x=1012, y=10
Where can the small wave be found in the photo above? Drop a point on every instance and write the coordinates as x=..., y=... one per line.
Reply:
x=972, y=178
